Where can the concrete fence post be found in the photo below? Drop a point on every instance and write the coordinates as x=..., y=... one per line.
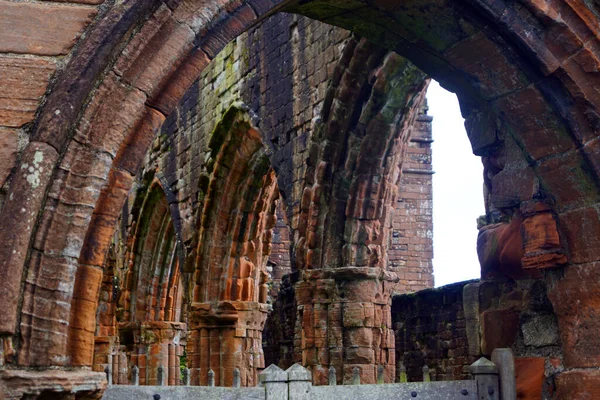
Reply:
x=135, y=375
x=237, y=379
x=426, y=375
x=505, y=361
x=161, y=376
x=485, y=373
x=123, y=369
x=274, y=379
x=186, y=377
x=403, y=378
x=299, y=383
x=332, y=377
x=211, y=378
x=109, y=374
x=380, y=375
x=355, y=376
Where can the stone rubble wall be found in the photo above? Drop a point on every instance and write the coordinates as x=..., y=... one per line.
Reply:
x=450, y=327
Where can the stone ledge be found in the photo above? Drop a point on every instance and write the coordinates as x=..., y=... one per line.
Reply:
x=351, y=273
x=418, y=171
x=578, y=384
x=16, y=384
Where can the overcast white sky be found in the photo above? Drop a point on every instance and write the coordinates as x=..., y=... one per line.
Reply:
x=457, y=191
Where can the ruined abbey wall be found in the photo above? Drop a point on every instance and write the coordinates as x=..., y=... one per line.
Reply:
x=448, y=328
x=85, y=90
x=269, y=85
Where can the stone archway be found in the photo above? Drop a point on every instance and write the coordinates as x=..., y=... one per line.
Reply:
x=235, y=220
x=142, y=294
x=532, y=81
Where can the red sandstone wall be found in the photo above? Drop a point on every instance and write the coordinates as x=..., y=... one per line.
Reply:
x=450, y=327
x=411, y=250
x=279, y=263
x=540, y=88
x=180, y=155
x=281, y=70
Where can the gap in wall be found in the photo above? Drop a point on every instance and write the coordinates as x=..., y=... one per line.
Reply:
x=457, y=191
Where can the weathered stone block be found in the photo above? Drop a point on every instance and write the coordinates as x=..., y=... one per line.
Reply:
x=574, y=297
x=22, y=31
x=359, y=355
x=540, y=330
x=569, y=178
x=360, y=337
x=529, y=373
x=23, y=82
x=499, y=329
x=541, y=131
x=21, y=210
x=580, y=228
x=578, y=384
x=353, y=315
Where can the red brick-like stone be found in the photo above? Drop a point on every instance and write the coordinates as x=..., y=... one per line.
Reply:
x=576, y=300
x=101, y=227
x=83, y=315
x=115, y=110
x=223, y=33
x=499, y=329
x=580, y=229
x=134, y=148
x=535, y=123
x=23, y=81
x=569, y=180
x=582, y=69
x=591, y=150
x=41, y=29
x=487, y=61
x=46, y=308
x=137, y=44
x=62, y=228
x=500, y=249
x=197, y=16
x=541, y=242
x=578, y=384
x=19, y=384
x=180, y=82
x=529, y=373
x=509, y=188
x=159, y=57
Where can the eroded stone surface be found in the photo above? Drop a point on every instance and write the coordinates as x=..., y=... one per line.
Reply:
x=24, y=30
x=23, y=82
x=58, y=384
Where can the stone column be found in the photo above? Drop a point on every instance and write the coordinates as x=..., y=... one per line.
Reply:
x=224, y=336
x=344, y=321
x=158, y=338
